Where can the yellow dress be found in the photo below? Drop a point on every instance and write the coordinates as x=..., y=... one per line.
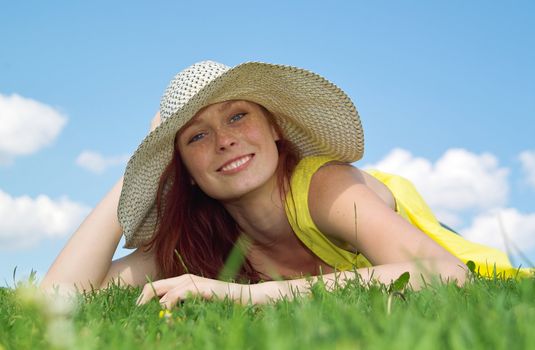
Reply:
x=409, y=204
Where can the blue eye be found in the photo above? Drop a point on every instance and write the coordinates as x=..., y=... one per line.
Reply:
x=196, y=137
x=236, y=117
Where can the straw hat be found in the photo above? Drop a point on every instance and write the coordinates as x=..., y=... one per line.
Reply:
x=316, y=115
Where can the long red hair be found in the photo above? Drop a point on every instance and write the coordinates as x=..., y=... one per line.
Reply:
x=195, y=234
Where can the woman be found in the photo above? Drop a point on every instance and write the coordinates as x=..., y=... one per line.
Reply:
x=255, y=159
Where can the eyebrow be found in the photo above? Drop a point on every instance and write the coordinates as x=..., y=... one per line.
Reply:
x=224, y=107
x=221, y=109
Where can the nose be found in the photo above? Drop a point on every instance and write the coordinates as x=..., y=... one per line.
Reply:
x=225, y=139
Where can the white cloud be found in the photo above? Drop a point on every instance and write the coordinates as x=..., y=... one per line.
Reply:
x=26, y=126
x=24, y=221
x=495, y=227
x=97, y=163
x=458, y=181
x=527, y=158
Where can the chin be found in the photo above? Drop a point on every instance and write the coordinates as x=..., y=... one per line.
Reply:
x=241, y=189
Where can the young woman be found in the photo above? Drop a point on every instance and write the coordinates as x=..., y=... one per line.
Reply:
x=256, y=159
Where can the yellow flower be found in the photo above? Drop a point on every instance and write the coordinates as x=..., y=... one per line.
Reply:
x=165, y=313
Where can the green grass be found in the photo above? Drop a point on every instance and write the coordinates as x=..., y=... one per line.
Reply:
x=484, y=314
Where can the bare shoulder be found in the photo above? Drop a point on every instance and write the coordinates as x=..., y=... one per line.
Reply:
x=350, y=205
x=334, y=178
x=328, y=183
x=339, y=192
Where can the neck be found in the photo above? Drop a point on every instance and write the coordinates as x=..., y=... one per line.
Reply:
x=272, y=247
x=261, y=215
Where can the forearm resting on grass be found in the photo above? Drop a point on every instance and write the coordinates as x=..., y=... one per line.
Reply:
x=171, y=290
x=85, y=260
x=421, y=273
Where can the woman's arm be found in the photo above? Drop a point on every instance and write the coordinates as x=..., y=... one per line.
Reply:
x=342, y=204
x=172, y=290
x=86, y=260
x=421, y=274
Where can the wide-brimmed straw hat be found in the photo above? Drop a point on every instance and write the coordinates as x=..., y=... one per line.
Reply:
x=314, y=114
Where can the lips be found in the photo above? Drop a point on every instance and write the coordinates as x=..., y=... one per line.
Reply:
x=236, y=164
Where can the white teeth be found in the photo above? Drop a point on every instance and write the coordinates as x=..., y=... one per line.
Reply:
x=236, y=163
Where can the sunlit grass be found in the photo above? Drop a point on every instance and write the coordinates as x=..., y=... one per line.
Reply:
x=486, y=314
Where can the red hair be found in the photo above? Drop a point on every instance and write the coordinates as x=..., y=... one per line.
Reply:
x=195, y=234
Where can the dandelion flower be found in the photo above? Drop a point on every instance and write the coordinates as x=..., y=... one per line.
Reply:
x=165, y=313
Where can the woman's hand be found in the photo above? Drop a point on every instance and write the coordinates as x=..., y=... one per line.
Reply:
x=172, y=290
x=156, y=120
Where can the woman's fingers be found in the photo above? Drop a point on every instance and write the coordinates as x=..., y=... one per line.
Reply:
x=203, y=288
x=187, y=283
x=155, y=289
x=172, y=290
x=147, y=293
x=175, y=295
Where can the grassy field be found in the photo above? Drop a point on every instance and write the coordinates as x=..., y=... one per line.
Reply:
x=484, y=314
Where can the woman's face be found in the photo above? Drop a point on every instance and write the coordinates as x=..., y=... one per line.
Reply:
x=229, y=149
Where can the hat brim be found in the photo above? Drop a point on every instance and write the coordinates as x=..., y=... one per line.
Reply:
x=314, y=114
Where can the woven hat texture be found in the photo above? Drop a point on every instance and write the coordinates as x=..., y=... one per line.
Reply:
x=316, y=115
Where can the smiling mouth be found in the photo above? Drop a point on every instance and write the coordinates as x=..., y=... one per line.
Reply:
x=236, y=164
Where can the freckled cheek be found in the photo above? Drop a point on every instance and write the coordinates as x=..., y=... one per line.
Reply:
x=197, y=163
x=255, y=133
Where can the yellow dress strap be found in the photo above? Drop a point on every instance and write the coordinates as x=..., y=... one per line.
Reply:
x=297, y=211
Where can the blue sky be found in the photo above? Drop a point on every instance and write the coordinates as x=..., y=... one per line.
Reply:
x=446, y=93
